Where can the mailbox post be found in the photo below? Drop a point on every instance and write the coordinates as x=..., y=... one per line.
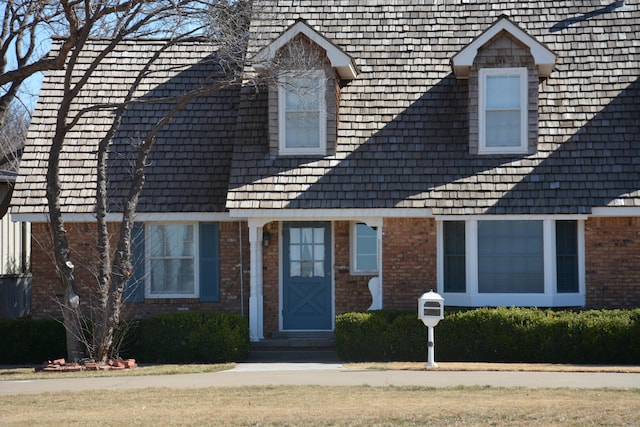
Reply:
x=431, y=311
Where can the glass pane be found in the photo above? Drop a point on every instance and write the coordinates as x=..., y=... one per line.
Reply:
x=510, y=257
x=302, y=93
x=306, y=256
x=294, y=253
x=172, y=276
x=302, y=129
x=295, y=269
x=503, y=92
x=567, y=256
x=502, y=128
x=455, y=276
x=318, y=235
x=172, y=249
x=366, y=243
x=318, y=269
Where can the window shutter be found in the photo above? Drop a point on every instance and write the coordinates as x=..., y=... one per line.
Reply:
x=209, y=262
x=134, y=287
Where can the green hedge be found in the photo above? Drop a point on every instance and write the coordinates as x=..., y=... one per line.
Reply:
x=494, y=335
x=188, y=337
x=26, y=341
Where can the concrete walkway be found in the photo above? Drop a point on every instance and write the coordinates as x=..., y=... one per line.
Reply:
x=327, y=374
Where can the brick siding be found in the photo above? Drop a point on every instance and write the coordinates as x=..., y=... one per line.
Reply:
x=82, y=236
x=409, y=252
x=612, y=252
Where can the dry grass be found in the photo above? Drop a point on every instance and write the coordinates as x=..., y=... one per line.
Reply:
x=322, y=406
x=483, y=366
x=22, y=374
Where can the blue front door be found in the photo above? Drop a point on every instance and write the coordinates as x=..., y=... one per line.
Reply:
x=307, y=302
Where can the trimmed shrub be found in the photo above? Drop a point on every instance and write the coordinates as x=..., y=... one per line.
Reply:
x=27, y=341
x=188, y=337
x=494, y=335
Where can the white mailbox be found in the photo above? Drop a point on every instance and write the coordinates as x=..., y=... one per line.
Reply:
x=431, y=308
x=431, y=311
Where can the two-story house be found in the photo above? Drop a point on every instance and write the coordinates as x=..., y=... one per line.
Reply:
x=489, y=150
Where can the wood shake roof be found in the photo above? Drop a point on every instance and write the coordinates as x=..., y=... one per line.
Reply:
x=403, y=124
x=189, y=164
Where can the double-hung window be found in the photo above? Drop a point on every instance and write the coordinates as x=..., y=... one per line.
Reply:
x=175, y=260
x=502, y=109
x=302, y=113
x=364, y=249
x=511, y=262
x=172, y=260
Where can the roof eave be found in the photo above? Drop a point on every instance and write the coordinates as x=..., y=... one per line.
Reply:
x=340, y=61
x=544, y=58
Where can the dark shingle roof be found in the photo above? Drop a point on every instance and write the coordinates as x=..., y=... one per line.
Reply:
x=403, y=124
x=189, y=165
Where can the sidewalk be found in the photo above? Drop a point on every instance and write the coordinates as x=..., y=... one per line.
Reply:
x=328, y=374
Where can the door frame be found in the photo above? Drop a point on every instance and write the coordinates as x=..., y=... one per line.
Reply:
x=281, y=276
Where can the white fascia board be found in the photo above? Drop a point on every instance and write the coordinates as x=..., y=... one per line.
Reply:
x=142, y=217
x=544, y=58
x=616, y=211
x=339, y=60
x=328, y=214
x=576, y=217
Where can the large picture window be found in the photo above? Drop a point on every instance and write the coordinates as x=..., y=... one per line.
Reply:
x=511, y=262
x=302, y=113
x=503, y=110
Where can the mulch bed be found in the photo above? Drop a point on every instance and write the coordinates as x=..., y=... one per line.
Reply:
x=61, y=365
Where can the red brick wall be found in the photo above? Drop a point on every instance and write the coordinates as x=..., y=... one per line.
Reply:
x=82, y=236
x=612, y=258
x=46, y=287
x=351, y=292
x=409, y=252
x=271, y=280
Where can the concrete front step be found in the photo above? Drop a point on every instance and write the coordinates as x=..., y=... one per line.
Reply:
x=295, y=347
x=293, y=356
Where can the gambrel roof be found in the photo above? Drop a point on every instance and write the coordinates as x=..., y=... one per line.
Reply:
x=403, y=122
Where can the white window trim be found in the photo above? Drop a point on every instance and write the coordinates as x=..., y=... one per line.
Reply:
x=550, y=297
x=282, y=138
x=196, y=263
x=524, y=108
x=354, y=248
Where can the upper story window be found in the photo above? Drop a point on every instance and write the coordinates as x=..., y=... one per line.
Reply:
x=503, y=66
x=303, y=104
x=302, y=116
x=503, y=110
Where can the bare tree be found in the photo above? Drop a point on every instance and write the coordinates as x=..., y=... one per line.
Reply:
x=224, y=22
x=12, y=135
x=24, y=23
x=116, y=21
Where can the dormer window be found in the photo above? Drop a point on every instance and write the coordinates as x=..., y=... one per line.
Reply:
x=503, y=110
x=302, y=116
x=303, y=102
x=503, y=67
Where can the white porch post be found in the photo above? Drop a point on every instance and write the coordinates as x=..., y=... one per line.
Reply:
x=256, y=319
